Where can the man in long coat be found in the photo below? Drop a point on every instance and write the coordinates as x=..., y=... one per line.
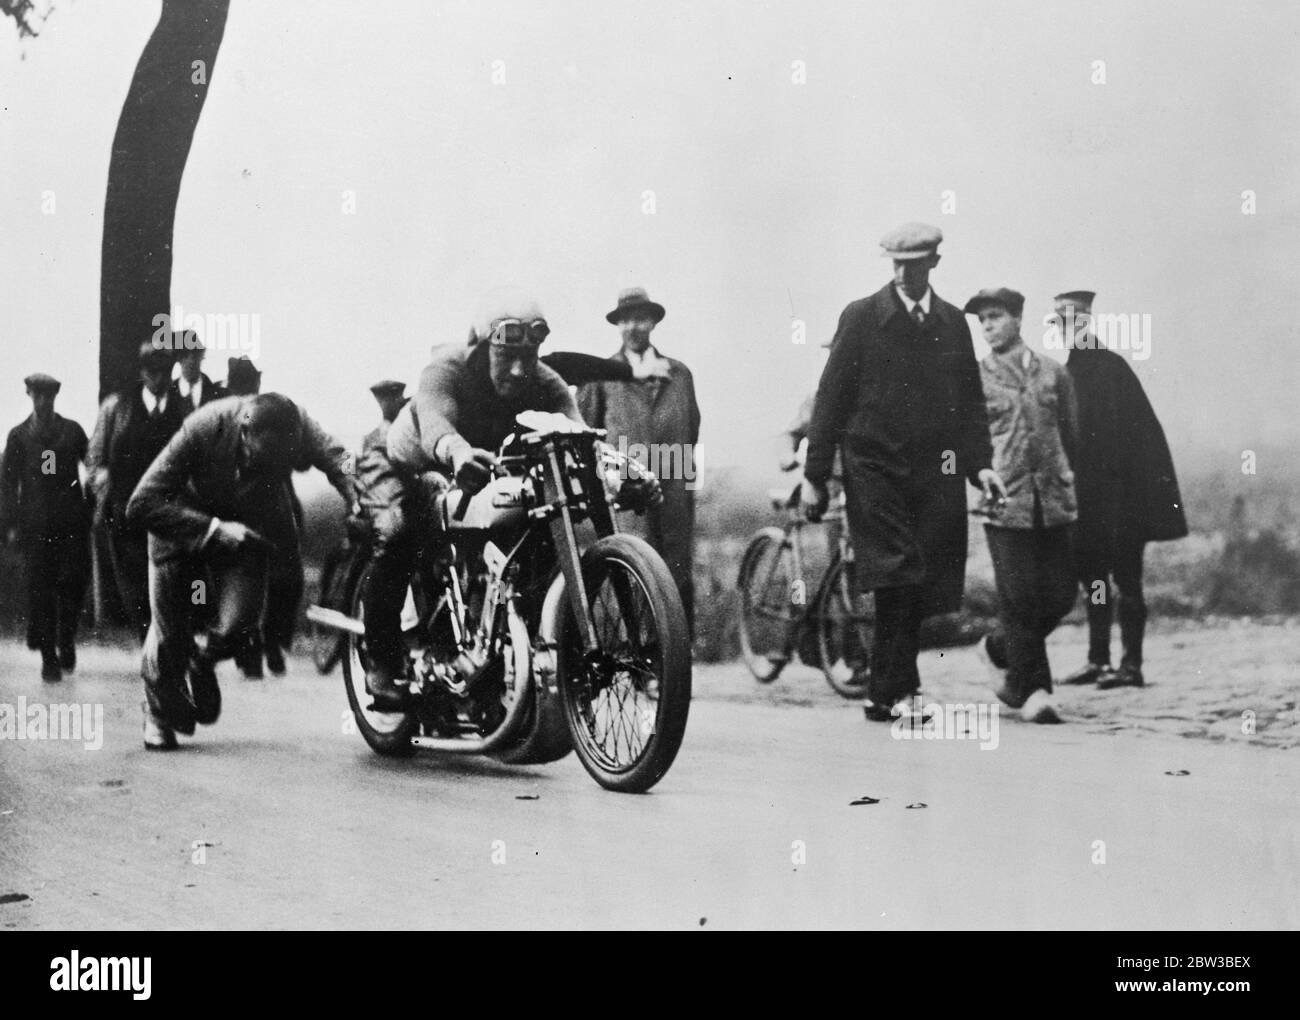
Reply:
x=42, y=503
x=1128, y=493
x=900, y=397
x=657, y=412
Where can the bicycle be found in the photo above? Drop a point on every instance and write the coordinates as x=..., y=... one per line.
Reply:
x=775, y=615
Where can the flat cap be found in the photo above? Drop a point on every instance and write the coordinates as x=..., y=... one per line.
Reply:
x=39, y=382
x=388, y=388
x=1013, y=301
x=152, y=354
x=1077, y=297
x=911, y=241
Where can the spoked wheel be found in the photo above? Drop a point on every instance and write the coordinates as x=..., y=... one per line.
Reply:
x=626, y=702
x=769, y=615
x=844, y=630
x=387, y=733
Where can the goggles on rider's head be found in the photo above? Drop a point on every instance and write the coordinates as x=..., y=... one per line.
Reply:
x=517, y=333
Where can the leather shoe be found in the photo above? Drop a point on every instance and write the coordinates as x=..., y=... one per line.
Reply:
x=1039, y=708
x=68, y=658
x=388, y=695
x=995, y=651
x=207, y=694
x=875, y=711
x=177, y=708
x=274, y=658
x=50, y=671
x=1089, y=674
x=157, y=736
x=1125, y=676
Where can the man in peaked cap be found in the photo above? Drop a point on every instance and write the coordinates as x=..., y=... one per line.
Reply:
x=656, y=411
x=132, y=428
x=900, y=398
x=1128, y=493
x=391, y=397
x=1033, y=422
x=42, y=505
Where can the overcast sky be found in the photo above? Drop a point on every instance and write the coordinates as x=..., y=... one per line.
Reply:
x=769, y=195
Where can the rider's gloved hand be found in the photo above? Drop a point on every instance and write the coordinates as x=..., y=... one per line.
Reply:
x=471, y=467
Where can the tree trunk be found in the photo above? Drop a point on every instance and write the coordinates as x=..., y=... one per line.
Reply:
x=150, y=148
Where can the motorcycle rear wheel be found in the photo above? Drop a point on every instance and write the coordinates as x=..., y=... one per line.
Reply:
x=626, y=704
x=387, y=733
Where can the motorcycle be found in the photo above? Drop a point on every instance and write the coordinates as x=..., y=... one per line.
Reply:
x=522, y=644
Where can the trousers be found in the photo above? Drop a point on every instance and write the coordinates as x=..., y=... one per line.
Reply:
x=1036, y=588
x=1119, y=568
x=58, y=570
x=207, y=605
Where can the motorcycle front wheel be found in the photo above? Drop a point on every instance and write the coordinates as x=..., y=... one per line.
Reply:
x=626, y=702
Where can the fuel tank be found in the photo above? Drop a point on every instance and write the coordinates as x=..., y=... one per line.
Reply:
x=502, y=505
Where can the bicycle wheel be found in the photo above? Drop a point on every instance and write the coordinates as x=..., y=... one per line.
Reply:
x=844, y=629
x=626, y=702
x=769, y=615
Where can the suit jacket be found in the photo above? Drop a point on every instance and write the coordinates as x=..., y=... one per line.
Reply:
x=1033, y=421
x=1124, y=474
x=123, y=446
x=211, y=391
x=905, y=406
x=201, y=475
x=40, y=491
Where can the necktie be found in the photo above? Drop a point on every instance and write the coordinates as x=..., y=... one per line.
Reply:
x=918, y=313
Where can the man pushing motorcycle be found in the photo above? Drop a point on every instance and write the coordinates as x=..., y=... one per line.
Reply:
x=464, y=407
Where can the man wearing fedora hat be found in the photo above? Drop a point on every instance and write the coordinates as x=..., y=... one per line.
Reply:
x=191, y=384
x=900, y=398
x=1033, y=423
x=132, y=428
x=42, y=505
x=659, y=412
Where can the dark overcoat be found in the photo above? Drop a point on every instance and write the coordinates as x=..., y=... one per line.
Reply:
x=904, y=404
x=1124, y=475
x=40, y=490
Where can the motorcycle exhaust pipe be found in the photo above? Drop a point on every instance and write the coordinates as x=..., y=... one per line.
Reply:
x=515, y=714
x=335, y=620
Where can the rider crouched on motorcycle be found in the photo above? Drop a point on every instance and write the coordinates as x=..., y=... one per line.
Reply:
x=464, y=407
